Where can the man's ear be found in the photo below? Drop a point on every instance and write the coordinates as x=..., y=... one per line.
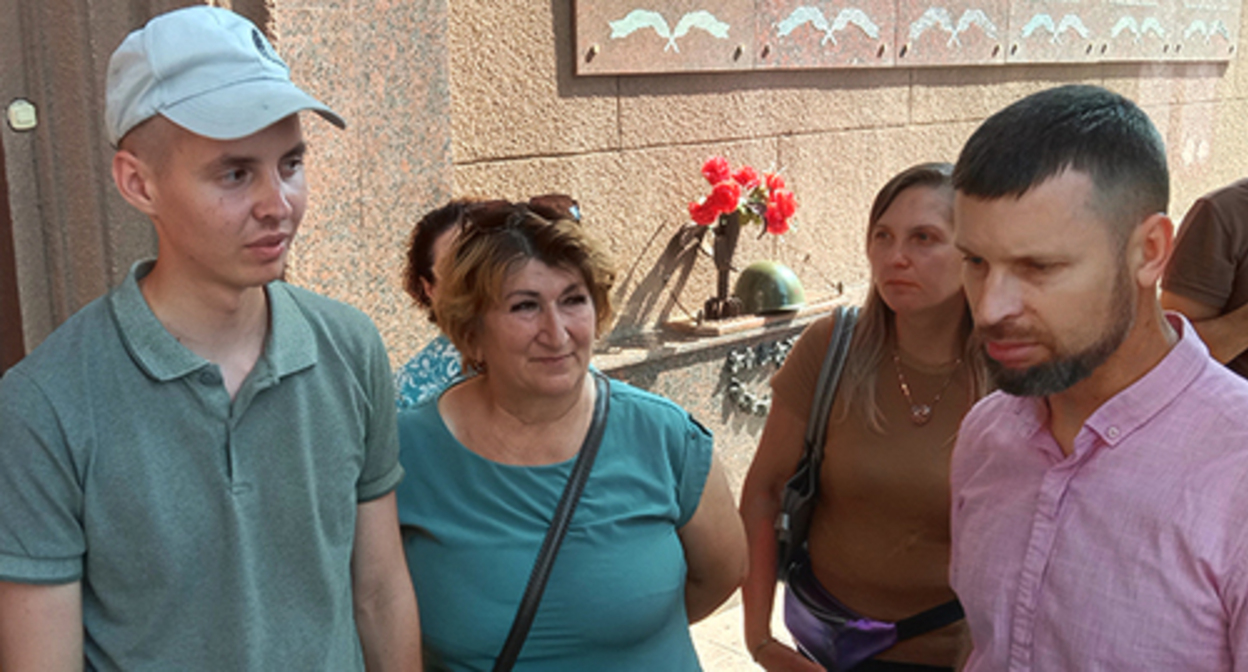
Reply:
x=1151, y=244
x=134, y=180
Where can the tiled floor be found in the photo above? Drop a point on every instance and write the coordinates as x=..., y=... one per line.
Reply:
x=719, y=639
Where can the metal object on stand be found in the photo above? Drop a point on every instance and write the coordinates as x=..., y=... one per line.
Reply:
x=727, y=231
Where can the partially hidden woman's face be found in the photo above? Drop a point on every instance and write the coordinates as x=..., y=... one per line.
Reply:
x=441, y=245
x=537, y=338
x=914, y=264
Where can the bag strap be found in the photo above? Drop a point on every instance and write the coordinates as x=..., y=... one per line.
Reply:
x=829, y=380
x=935, y=618
x=558, y=529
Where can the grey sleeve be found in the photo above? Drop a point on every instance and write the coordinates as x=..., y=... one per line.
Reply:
x=382, y=471
x=41, y=532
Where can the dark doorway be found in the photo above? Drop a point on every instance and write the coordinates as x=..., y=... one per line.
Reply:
x=11, y=344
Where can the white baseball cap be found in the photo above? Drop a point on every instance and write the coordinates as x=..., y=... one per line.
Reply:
x=207, y=70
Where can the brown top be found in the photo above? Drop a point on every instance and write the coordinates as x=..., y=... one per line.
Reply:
x=1210, y=262
x=879, y=537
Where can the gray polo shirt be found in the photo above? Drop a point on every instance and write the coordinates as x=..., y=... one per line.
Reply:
x=208, y=534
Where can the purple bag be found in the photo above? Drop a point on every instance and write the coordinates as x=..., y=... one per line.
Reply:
x=835, y=636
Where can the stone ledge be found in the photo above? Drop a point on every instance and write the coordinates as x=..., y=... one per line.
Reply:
x=662, y=347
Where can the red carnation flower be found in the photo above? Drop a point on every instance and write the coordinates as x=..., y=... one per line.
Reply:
x=776, y=222
x=724, y=197
x=701, y=214
x=716, y=169
x=784, y=201
x=774, y=181
x=747, y=177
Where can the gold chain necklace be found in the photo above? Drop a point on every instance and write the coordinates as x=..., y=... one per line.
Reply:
x=920, y=414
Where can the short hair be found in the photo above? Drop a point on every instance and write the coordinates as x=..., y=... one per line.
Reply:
x=1075, y=127
x=496, y=241
x=151, y=141
x=420, y=260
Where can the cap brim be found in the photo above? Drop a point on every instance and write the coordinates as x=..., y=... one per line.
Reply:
x=244, y=108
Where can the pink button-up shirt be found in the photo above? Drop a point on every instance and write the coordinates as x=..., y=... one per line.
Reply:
x=1129, y=555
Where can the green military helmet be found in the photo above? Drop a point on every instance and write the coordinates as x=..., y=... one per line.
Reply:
x=769, y=287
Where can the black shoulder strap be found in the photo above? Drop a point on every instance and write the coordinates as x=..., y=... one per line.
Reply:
x=829, y=379
x=558, y=529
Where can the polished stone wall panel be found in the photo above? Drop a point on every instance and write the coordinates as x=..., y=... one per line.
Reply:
x=383, y=65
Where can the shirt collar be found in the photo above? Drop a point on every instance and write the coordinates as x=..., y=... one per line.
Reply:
x=292, y=343
x=290, y=346
x=150, y=345
x=1030, y=413
x=1131, y=408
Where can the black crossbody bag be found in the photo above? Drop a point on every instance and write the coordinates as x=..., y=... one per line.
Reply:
x=802, y=489
x=558, y=529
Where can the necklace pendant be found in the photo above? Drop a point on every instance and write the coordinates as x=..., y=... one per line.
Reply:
x=920, y=414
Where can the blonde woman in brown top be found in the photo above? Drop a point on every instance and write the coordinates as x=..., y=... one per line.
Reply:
x=878, y=546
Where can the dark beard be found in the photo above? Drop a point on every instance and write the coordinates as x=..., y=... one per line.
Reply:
x=1060, y=375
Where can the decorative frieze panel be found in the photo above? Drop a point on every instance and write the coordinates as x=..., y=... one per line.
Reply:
x=799, y=34
x=653, y=36
x=616, y=37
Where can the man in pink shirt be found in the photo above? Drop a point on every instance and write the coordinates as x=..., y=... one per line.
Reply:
x=1100, y=499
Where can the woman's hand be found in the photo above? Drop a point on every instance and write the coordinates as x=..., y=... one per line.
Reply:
x=775, y=656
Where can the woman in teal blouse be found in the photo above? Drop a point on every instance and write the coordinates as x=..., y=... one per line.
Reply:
x=655, y=542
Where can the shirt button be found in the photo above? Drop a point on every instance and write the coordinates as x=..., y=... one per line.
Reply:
x=1112, y=432
x=209, y=378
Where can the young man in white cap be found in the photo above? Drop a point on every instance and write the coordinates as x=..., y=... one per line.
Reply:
x=197, y=470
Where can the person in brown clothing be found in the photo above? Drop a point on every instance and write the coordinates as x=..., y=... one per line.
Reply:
x=1207, y=278
x=878, y=546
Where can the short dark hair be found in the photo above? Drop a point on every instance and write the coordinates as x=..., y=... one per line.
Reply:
x=1075, y=127
x=420, y=248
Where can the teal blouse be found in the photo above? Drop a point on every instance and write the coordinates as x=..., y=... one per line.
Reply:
x=615, y=600
x=427, y=373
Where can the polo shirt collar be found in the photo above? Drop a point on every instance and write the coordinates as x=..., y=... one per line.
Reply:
x=1130, y=409
x=150, y=345
x=290, y=346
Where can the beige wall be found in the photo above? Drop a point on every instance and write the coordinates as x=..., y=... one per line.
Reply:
x=458, y=97
x=630, y=147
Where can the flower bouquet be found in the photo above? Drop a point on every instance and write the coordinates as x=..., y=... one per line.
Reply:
x=737, y=196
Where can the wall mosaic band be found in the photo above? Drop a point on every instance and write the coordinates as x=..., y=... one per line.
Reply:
x=615, y=37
